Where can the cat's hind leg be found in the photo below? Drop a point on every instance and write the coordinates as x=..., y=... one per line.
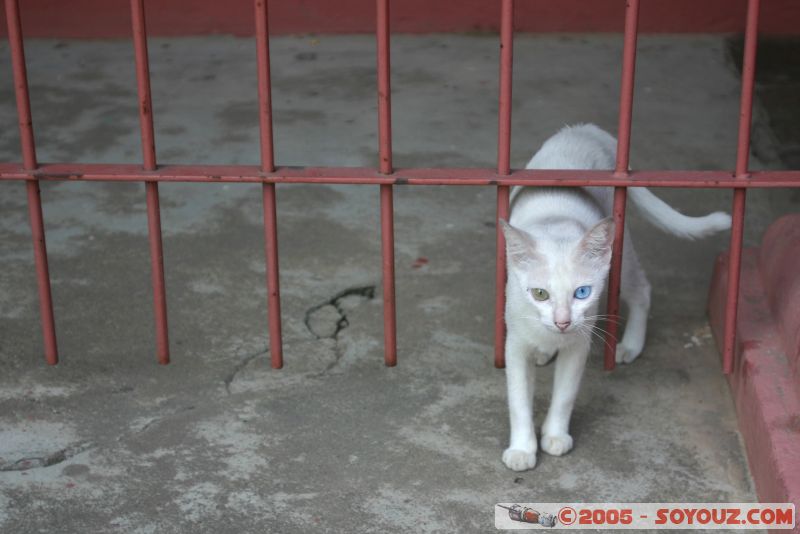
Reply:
x=521, y=452
x=635, y=292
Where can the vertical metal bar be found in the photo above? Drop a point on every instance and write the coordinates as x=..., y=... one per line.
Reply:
x=382, y=35
x=739, y=198
x=268, y=190
x=42, y=272
x=734, y=270
x=273, y=275
x=157, y=269
x=264, y=86
x=623, y=158
x=149, y=163
x=500, y=280
x=17, y=47
x=387, y=248
x=503, y=168
x=143, y=82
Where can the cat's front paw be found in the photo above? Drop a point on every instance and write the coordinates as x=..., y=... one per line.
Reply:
x=519, y=460
x=556, y=444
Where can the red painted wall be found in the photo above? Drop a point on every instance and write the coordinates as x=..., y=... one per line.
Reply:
x=110, y=18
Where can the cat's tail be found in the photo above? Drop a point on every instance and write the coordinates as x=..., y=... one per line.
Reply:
x=670, y=220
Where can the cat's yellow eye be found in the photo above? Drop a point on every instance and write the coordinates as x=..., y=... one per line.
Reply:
x=539, y=293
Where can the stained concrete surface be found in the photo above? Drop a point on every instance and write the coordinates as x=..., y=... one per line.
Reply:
x=109, y=441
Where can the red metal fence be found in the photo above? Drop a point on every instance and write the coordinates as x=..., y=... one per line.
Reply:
x=503, y=177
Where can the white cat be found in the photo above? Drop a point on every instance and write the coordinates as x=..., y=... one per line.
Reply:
x=558, y=252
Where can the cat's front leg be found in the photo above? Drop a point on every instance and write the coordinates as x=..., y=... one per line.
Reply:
x=571, y=361
x=521, y=452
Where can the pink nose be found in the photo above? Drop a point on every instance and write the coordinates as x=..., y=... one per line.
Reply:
x=563, y=326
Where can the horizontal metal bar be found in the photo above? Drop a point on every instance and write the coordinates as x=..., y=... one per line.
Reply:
x=421, y=176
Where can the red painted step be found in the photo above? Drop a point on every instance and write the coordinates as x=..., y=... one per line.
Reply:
x=766, y=379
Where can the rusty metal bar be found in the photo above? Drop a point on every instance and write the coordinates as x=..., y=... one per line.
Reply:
x=382, y=36
x=387, y=264
x=273, y=278
x=467, y=176
x=17, y=46
x=503, y=193
x=268, y=192
x=504, y=104
x=151, y=186
x=734, y=270
x=503, y=169
x=264, y=85
x=739, y=194
x=42, y=272
x=157, y=268
x=621, y=193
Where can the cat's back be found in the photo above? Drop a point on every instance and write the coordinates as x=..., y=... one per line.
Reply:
x=578, y=147
x=583, y=146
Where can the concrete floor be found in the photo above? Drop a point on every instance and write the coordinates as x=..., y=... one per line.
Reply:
x=335, y=442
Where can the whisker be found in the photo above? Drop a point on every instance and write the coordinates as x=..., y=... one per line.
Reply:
x=595, y=329
x=603, y=330
x=604, y=320
x=600, y=333
x=609, y=318
x=603, y=339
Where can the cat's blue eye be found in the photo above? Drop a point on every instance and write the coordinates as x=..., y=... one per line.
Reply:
x=583, y=292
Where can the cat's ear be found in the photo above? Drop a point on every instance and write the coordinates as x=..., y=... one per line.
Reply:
x=520, y=246
x=595, y=246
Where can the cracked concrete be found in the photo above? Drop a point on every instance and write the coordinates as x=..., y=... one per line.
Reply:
x=53, y=458
x=330, y=317
x=239, y=366
x=336, y=442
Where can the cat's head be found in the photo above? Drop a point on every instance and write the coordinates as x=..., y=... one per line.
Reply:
x=562, y=277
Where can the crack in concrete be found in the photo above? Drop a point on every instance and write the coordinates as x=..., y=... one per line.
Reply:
x=337, y=353
x=159, y=419
x=230, y=377
x=365, y=292
x=23, y=464
x=342, y=322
